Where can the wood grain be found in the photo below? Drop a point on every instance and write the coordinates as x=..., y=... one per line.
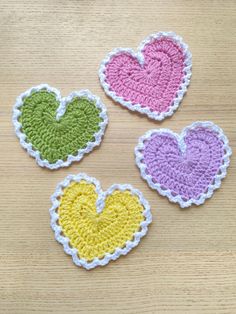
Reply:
x=187, y=262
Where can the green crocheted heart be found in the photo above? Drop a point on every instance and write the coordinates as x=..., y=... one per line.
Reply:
x=56, y=139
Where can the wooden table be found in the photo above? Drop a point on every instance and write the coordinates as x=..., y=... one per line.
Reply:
x=187, y=262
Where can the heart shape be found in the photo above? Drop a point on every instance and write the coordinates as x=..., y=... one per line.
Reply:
x=55, y=130
x=153, y=80
x=96, y=227
x=186, y=168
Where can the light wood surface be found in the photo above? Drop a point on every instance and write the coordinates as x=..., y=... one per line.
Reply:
x=187, y=262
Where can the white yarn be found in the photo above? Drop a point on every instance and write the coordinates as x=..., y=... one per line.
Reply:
x=139, y=55
x=180, y=138
x=101, y=197
x=60, y=112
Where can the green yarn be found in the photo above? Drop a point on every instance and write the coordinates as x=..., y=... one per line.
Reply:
x=56, y=139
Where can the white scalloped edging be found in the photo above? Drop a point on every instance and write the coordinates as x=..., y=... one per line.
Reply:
x=60, y=111
x=65, y=241
x=138, y=107
x=180, y=138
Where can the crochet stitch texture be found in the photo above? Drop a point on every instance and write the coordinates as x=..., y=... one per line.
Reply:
x=185, y=168
x=94, y=226
x=152, y=81
x=56, y=131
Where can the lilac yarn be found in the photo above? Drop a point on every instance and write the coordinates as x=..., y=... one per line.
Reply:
x=184, y=168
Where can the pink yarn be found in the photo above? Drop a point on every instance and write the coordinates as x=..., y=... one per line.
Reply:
x=153, y=84
x=187, y=171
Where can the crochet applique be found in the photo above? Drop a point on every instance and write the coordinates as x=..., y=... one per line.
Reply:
x=186, y=168
x=152, y=81
x=96, y=227
x=55, y=130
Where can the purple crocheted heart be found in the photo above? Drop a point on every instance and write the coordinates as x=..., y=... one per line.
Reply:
x=154, y=80
x=185, y=168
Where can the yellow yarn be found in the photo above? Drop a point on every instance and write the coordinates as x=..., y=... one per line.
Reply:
x=93, y=234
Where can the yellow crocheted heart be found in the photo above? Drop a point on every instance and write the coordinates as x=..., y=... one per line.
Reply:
x=94, y=234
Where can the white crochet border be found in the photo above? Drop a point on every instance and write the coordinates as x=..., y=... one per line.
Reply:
x=180, y=138
x=100, y=203
x=60, y=111
x=139, y=56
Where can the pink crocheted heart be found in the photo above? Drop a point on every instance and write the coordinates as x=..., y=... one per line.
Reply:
x=154, y=80
x=185, y=168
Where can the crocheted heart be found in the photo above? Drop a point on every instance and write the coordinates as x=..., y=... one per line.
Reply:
x=186, y=168
x=152, y=81
x=94, y=226
x=55, y=130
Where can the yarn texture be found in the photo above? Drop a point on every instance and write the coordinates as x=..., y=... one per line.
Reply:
x=152, y=81
x=95, y=226
x=57, y=131
x=186, y=168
